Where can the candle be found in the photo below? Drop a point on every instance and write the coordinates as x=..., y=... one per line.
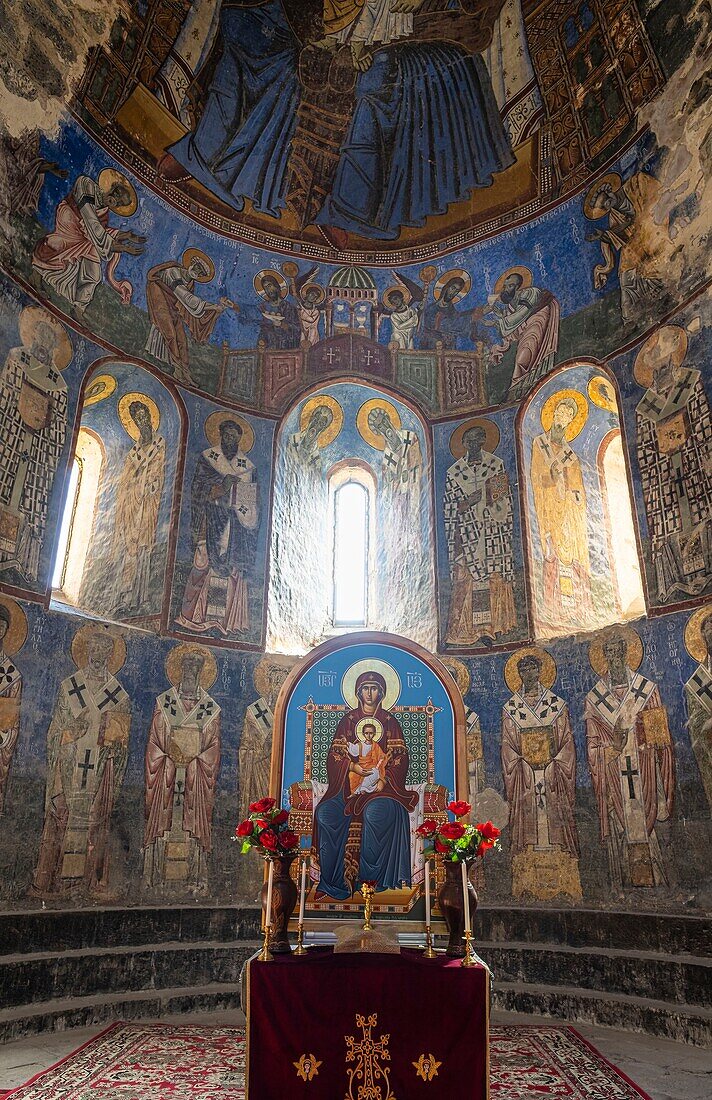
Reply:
x=466, y=897
x=303, y=895
x=427, y=892
x=270, y=876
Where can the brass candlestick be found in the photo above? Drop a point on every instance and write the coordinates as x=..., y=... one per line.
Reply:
x=265, y=954
x=470, y=958
x=300, y=948
x=430, y=952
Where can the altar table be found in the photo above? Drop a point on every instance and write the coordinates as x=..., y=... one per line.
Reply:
x=322, y=1025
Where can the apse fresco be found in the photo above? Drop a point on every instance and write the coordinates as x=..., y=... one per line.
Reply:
x=455, y=256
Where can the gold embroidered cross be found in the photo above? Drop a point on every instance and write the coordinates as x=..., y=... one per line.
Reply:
x=368, y=1053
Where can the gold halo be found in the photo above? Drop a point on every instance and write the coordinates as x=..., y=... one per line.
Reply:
x=30, y=318
x=16, y=635
x=125, y=416
x=328, y=435
x=525, y=273
x=278, y=278
x=209, y=673
x=457, y=447
x=590, y=208
x=649, y=356
x=387, y=294
x=98, y=390
x=459, y=672
x=262, y=668
x=389, y=674
x=547, y=674
x=547, y=413
x=313, y=286
x=363, y=426
x=600, y=390
x=694, y=642
x=634, y=655
x=454, y=273
x=107, y=178
x=369, y=722
x=216, y=419
x=191, y=254
x=79, y=646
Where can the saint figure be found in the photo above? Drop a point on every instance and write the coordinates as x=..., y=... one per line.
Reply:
x=182, y=767
x=13, y=631
x=364, y=836
x=632, y=761
x=280, y=324
x=674, y=435
x=698, y=694
x=224, y=518
x=69, y=258
x=560, y=505
x=528, y=317
x=402, y=466
x=404, y=316
x=87, y=753
x=444, y=325
x=175, y=309
x=479, y=528
x=539, y=768
x=304, y=446
x=33, y=425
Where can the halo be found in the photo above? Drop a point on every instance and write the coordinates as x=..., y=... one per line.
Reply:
x=694, y=642
x=314, y=286
x=16, y=635
x=262, y=668
x=525, y=273
x=278, y=278
x=212, y=430
x=98, y=390
x=209, y=673
x=191, y=254
x=457, y=447
x=600, y=390
x=30, y=318
x=650, y=354
x=369, y=722
x=459, y=672
x=547, y=674
x=125, y=416
x=634, y=655
x=79, y=646
x=387, y=294
x=590, y=207
x=547, y=413
x=363, y=426
x=328, y=435
x=389, y=674
x=107, y=178
x=454, y=273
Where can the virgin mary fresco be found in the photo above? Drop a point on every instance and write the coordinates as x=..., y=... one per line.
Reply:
x=361, y=825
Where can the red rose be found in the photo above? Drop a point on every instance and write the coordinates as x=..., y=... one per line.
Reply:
x=459, y=809
x=488, y=831
x=245, y=828
x=280, y=818
x=440, y=847
x=262, y=806
x=261, y=824
x=453, y=830
x=269, y=840
x=427, y=828
x=288, y=839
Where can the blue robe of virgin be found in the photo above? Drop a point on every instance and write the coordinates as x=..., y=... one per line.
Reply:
x=384, y=855
x=425, y=130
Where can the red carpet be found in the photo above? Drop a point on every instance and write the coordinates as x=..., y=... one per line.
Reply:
x=164, y=1062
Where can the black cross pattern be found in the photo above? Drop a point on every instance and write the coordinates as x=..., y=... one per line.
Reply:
x=179, y=793
x=628, y=773
x=650, y=405
x=603, y=700
x=204, y=710
x=77, y=690
x=215, y=455
x=53, y=375
x=638, y=692
x=679, y=391
x=110, y=697
x=85, y=767
x=6, y=674
x=540, y=789
x=702, y=688
x=391, y=459
x=261, y=714
x=169, y=705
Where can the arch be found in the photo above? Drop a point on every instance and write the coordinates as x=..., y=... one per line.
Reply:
x=571, y=547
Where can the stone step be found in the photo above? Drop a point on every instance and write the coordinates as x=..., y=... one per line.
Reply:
x=682, y=1023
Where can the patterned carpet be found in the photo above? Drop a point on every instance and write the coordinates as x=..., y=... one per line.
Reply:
x=165, y=1062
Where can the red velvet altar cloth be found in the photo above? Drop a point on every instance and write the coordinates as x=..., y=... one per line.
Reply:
x=429, y=1038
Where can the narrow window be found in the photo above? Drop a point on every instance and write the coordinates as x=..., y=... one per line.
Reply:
x=65, y=530
x=78, y=516
x=351, y=554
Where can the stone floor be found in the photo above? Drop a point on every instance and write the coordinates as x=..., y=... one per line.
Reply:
x=665, y=1070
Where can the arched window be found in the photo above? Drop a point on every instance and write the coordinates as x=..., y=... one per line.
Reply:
x=78, y=516
x=619, y=526
x=352, y=492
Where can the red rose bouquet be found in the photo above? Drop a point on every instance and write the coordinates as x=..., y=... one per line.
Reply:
x=266, y=830
x=457, y=841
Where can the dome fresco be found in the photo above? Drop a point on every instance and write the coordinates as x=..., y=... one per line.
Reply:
x=456, y=254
